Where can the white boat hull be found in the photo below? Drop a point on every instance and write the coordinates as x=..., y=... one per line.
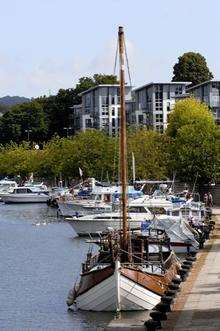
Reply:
x=25, y=198
x=117, y=293
x=93, y=227
x=68, y=209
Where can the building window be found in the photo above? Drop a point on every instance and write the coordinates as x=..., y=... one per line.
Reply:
x=88, y=123
x=113, y=99
x=168, y=106
x=113, y=122
x=113, y=111
x=159, y=118
x=140, y=119
x=158, y=106
x=178, y=90
x=105, y=122
x=87, y=100
x=104, y=111
x=159, y=128
x=105, y=101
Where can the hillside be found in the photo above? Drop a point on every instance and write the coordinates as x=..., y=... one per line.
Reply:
x=8, y=101
x=11, y=101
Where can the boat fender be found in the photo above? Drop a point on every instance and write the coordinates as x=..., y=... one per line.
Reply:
x=191, y=258
x=71, y=297
x=187, y=263
x=152, y=325
x=167, y=299
x=185, y=267
x=184, y=278
x=176, y=280
x=173, y=287
x=158, y=316
x=183, y=274
x=171, y=293
x=163, y=307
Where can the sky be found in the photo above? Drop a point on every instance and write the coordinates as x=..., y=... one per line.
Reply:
x=46, y=45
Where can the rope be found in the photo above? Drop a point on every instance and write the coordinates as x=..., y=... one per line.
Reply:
x=127, y=62
x=116, y=59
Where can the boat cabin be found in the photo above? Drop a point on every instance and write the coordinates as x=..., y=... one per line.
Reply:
x=22, y=190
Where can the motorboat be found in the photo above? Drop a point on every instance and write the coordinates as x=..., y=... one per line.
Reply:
x=94, y=224
x=25, y=195
x=183, y=238
x=100, y=199
x=6, y=186
x=37, y=187
x=152, y=202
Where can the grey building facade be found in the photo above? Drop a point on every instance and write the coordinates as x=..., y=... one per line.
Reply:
x=153, y=103
x=209, y=93
x=99, y=109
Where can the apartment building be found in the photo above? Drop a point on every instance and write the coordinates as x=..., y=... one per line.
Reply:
x=209, y=93
x=100, y=108
x=153, y=103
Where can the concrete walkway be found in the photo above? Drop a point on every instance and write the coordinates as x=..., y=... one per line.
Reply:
x=197, y=306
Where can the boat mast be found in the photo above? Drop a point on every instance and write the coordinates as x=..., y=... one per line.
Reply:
x=123, y=142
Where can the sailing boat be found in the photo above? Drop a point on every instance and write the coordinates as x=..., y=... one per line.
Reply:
x=125, y=274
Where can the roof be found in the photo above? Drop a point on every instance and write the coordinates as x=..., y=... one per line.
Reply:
x=102, y=85
x=162, y=83
x=204, y=83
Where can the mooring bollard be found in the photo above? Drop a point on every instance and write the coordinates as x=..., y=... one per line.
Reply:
x=152, y=325
x=158, y=316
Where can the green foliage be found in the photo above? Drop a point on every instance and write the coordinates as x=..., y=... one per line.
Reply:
x=195, y=148
x=150, y=149
x=191, y=67
x=186, y=112
x=47, y=116
x=93, y=151
x=27, y=116
x=20, y=159
x=4, y=108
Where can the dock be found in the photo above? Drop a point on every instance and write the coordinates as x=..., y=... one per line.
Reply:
x=197, y=305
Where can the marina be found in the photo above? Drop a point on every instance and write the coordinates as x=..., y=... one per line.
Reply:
x=109, y=196
x=36, y=286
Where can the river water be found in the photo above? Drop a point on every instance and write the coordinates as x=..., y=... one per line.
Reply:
x=40, y=258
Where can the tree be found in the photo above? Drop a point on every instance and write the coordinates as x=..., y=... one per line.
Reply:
x=15, y=123
x=151, y=153
x=191, y=67
x=195, y=147
x=187, y=112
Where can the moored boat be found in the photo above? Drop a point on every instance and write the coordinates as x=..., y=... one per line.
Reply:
x=124, y=275
x=25, y=195
x=6, y=187
x=108, y=284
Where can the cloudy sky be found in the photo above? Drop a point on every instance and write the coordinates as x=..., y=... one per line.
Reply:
x=48, y=44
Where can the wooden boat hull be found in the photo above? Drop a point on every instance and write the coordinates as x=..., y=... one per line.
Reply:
x=117, y=293
x=123, y=288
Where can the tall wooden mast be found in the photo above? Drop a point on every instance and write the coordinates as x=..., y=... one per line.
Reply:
x=123, y=140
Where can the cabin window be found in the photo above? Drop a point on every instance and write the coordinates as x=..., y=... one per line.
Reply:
x=137, y=210
x=21, y=190
x=157, y=210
